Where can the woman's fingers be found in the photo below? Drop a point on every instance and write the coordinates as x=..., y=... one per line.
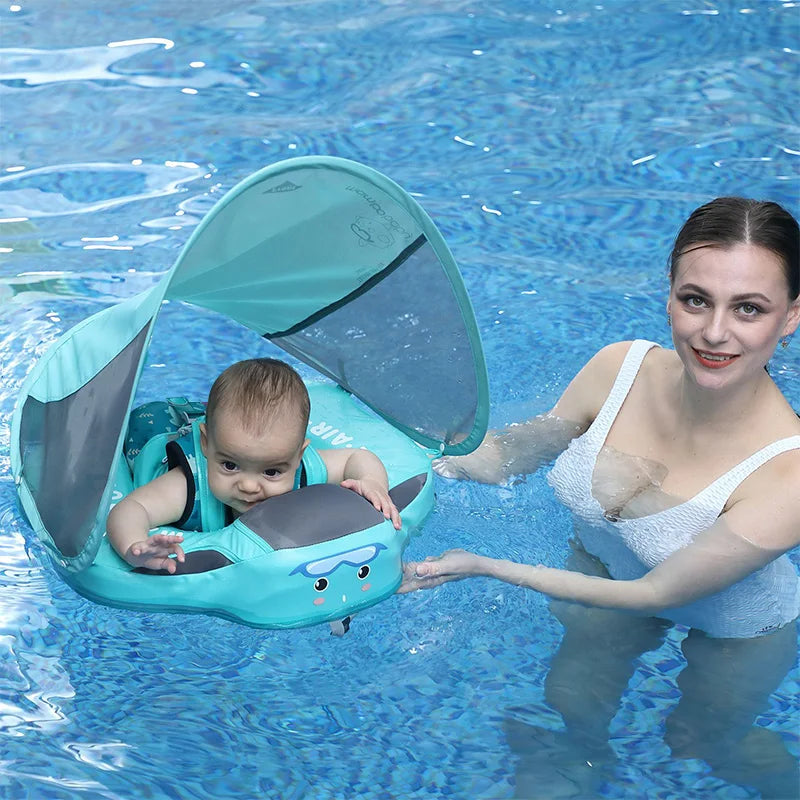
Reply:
x=446, y=467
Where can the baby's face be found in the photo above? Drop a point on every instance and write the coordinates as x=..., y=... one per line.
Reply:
x=244, y=467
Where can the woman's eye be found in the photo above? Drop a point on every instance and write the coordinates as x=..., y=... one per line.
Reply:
x=749, y=310
x=228, y=466
x=695, y=302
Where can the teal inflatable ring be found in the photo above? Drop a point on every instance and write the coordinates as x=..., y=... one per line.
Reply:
x=318, y=554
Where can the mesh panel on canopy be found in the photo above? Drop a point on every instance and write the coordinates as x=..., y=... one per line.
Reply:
x=339, y=266
x=349, y=345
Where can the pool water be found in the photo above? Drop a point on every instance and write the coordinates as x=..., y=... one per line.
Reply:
x=558, y=148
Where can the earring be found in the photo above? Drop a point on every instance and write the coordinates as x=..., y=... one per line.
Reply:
x=669, y=320
x=785, y=342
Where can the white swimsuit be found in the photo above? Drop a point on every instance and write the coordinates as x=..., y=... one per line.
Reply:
x=763, y=601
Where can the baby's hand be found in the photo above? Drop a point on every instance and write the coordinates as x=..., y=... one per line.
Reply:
x=378, y=495
x=154, y=552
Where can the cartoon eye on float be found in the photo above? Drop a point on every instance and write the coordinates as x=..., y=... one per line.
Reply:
x=322, y=567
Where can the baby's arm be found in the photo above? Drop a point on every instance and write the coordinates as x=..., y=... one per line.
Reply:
x=362, y=472
x=156, y=503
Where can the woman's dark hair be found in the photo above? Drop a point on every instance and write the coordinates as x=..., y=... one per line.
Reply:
x=728, y=221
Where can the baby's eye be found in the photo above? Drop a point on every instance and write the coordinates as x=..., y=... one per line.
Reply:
x=272, y=472
x=229, y=466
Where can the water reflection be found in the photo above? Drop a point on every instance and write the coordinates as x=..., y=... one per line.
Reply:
x=63, y=189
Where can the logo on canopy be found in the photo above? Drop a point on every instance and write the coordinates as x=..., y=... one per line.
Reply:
x=286, y=186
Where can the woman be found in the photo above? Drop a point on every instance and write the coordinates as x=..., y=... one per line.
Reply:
x=682, y=470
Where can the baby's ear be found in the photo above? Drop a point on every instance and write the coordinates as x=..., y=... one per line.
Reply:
x=203, y=438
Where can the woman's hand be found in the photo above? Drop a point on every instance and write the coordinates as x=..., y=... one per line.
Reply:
x=483, y=465
x=436, y=570
x=154, y=552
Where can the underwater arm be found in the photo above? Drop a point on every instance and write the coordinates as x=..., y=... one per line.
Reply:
x=716, y=559
x=362, y=472
x=130, y=521
x=521, y=448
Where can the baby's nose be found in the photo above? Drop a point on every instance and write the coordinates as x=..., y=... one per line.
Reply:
x=249, y=484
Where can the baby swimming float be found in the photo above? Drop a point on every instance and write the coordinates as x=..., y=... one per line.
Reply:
x=338, y=266
x=319, y=553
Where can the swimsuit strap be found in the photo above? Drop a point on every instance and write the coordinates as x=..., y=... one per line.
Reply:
x=598, y=431
x=717, y=493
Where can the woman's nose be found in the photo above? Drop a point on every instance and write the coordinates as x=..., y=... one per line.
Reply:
x=716, y=328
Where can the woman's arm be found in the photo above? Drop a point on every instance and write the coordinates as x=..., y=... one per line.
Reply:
x=521, y=448
x=716, y=559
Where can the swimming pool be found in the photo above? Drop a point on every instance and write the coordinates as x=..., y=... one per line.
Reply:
x=557, y=149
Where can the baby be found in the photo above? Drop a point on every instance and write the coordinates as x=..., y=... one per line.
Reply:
x=254, y=446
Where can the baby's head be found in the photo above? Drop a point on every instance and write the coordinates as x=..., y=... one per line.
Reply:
x=254, y=435
x=257, y=392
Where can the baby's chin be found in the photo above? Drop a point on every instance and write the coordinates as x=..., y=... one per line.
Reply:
x=238, y=507
x=241, y=506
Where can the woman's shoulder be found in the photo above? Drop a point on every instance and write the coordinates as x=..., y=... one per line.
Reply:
x=588, y=390
x=607, y=362
x=769, y=495
x=771, y=490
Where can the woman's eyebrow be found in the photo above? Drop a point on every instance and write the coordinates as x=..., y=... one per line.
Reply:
x=692, y=287
x=738, y=298
x=751, y=296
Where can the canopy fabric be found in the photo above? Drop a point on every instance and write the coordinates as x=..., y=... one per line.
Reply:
x=326, y=258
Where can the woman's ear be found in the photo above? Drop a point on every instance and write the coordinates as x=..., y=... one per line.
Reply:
x=794, y=318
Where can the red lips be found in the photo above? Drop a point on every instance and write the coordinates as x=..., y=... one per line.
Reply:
x=717, y=363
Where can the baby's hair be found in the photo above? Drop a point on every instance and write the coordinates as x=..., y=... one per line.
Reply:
x=256, y=390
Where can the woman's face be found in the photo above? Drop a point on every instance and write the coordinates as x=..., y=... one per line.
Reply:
x=729, y=308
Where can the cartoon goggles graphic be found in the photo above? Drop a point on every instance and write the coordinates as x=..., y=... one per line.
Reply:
x=325, y=566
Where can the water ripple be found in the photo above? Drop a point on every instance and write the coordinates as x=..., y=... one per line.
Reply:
x=31, y=67
x=65, y=189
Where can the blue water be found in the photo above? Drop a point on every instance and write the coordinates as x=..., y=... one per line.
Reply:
x=558, y=148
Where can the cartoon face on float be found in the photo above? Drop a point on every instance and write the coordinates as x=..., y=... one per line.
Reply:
x=347, y=575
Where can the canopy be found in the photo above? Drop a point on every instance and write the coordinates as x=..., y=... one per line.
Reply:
x=326, y=258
